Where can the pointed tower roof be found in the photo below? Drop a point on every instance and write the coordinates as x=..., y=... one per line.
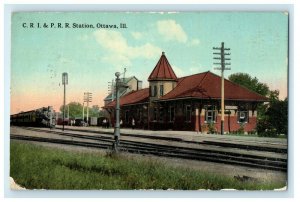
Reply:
x=162, y=70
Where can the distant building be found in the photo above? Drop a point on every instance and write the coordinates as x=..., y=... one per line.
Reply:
x=187, y=103
x=134, y=85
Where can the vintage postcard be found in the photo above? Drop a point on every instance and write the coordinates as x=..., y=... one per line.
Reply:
x=149, y=100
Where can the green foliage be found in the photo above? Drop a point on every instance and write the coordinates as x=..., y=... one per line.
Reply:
x=75, y=110
x=273, y=119
x=247, y=81
x=94, y=111
x=241, y=130
x=211, y=128
x=36, y=167
x=238, y=132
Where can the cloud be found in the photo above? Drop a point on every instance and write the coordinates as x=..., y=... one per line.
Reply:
x=171, y=31
x=186, y=71
x=194, y=42
x=137, y=35
x=178, y=71
x=195, y=70
x=117, y=61
x=83, y=37
x=112, y=41
x=119, y=52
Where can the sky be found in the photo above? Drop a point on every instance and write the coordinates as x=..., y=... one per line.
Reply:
x=91, y=56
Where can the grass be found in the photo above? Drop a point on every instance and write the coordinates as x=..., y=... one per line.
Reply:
x=37, y=167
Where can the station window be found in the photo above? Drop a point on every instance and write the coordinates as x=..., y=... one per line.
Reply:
x=161, y=90
x=210, y=114
x=154, y=91
x=161, y=114
x=188, y=113
x=171, y=113
x=155, y=114
x=127, y=116
x=242, y=116
x=140, y=114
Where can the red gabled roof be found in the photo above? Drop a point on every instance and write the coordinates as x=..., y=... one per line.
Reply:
x=133, y=97
x=162, y=70
x=208, y=86
x=205, y=85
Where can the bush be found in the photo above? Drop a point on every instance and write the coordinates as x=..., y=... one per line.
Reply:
x=269, y=133
x=211, y=128
x=265, y=128
x=241, y=130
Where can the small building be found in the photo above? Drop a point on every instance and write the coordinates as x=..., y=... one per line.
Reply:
x=191, y=103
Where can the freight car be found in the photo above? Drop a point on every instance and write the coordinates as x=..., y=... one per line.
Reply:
x=42, y=117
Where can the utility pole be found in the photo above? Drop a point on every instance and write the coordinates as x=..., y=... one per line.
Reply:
x=64, y=82
x=124, y=74
x=223, y=67
x=83, y=111
x=68, y=111
x=111, y=89
x=119, y=85
x=87, y=98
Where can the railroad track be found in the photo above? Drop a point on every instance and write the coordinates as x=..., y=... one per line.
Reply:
x=105, y=142
x=238, y=144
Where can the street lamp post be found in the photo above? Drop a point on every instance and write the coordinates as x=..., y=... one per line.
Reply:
x=117, y=124
x=119, y=85
x=64, y=82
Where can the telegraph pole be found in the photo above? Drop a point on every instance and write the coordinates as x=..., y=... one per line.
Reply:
x=64, y=82
x=124, y=74
x=223, y=67
x=83, y=111
x=111, y=89
x=87, y=98
x=68, y=112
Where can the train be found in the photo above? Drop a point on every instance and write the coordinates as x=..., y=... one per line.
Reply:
x=42, y=117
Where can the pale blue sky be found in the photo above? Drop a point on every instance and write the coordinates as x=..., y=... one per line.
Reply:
x=258, y=43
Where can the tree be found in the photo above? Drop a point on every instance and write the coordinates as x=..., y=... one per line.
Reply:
x=247, y=81
x=74, y=108
x=94, y=111
x=273, y=116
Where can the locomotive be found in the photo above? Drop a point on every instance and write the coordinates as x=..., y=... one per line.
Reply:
x=42, y=117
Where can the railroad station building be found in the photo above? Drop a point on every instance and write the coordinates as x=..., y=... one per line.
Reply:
x=191, y=103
